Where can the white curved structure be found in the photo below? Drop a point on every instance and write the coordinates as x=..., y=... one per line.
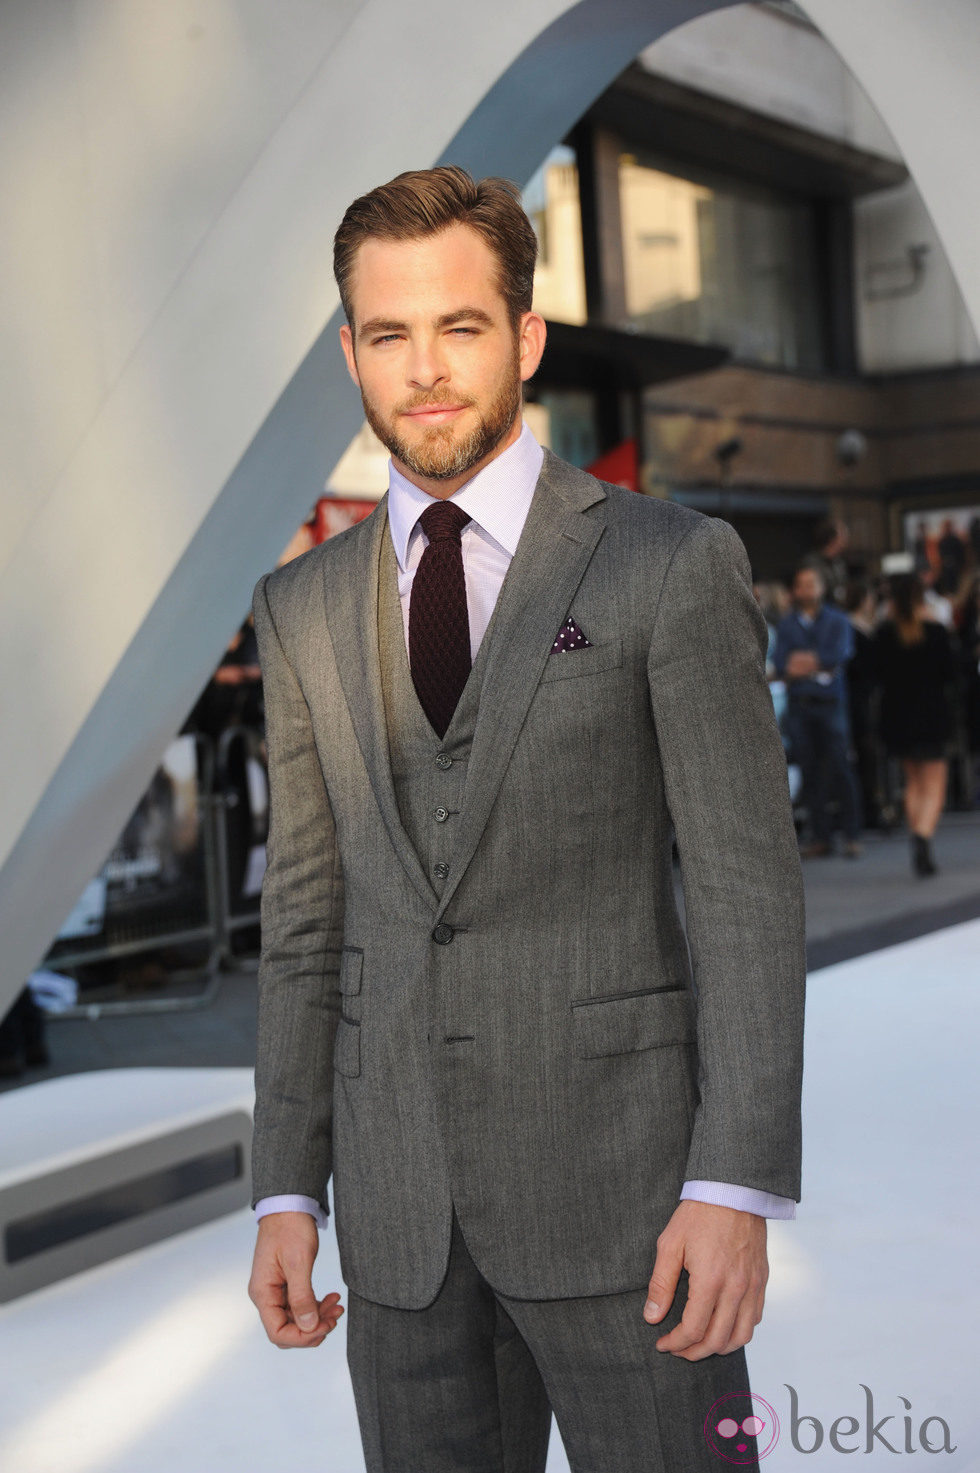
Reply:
x=172, y=394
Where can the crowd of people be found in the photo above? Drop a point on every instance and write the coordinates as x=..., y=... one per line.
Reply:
x=874, y=677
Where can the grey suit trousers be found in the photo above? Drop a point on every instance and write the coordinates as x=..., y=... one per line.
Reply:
x=468, y=1384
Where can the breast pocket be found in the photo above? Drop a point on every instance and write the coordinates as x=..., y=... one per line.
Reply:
x=625, y=1023
x=589, y=661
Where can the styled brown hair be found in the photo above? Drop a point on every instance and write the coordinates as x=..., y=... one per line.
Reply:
x=426, y=201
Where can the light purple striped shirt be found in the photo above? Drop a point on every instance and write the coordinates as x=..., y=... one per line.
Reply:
x=497, y=501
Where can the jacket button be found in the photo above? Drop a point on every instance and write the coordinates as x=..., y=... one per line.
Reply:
x=443, y=934
x=440, y=870
x=441, y=814
x=444, y=761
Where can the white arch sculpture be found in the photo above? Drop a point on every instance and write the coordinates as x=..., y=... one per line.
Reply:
x=173, y=397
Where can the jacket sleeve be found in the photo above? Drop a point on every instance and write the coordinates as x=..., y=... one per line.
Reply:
x=302, y=936
x=727, y=789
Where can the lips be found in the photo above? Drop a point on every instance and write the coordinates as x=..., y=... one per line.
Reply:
x=434, y=414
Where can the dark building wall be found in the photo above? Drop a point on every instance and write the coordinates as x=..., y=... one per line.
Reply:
x=922, y=445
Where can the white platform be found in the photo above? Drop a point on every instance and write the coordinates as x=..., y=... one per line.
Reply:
x=157, y=1362
x=94, y=1166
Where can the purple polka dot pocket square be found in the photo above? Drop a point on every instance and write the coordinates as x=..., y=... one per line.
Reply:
x=570, y=637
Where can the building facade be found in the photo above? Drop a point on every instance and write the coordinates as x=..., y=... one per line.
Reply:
x=751, y=311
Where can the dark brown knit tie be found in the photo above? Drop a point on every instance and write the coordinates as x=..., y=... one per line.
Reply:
x=438, y=622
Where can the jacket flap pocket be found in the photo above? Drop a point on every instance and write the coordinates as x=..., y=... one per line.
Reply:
x=584, y=662
x=351, y=966
x=627, y=1022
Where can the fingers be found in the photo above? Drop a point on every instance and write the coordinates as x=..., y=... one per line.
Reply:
x=282, y=1329
x=666, y=1272
x=289, y=1335
x=720, y=1316
x=707, y=1325
x=300, y=1301
x=748, y=1316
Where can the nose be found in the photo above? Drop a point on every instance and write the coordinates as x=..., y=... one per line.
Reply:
x=426, y=366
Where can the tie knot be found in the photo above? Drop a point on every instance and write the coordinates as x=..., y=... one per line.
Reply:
x=443, y=521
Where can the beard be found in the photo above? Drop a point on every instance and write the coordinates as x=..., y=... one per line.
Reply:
x=443, y=453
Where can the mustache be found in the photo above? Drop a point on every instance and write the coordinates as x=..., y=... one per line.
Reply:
x=437, y=399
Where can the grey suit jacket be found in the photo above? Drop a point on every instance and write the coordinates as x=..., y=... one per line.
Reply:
x=610, y=1056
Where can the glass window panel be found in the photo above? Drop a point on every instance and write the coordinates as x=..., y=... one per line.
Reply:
x=565, y=421
x=551, y=199
x=711, y=260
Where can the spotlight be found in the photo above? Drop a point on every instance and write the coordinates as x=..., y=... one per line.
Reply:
x=851, y=447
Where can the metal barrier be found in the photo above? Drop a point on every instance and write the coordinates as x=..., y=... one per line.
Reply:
x=240, y=807
x=186, y=871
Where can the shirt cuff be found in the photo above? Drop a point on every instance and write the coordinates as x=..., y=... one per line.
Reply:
x=744, y=1199
x=292, y=1202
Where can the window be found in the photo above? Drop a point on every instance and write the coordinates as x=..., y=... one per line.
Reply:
x=551, y=199
x=712, y=260
x=566, y=423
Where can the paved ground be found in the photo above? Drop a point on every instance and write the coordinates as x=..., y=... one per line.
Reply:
x=853, y=907
x=861, y=905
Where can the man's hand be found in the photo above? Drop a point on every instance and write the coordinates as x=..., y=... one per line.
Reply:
x=800, y=664
x=724, y=1252
x=281, y=1285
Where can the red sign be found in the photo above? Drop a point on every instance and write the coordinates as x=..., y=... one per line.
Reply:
x=619, y=466
x=333, y=514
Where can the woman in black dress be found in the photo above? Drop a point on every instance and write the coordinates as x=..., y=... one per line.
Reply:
x=915, y=664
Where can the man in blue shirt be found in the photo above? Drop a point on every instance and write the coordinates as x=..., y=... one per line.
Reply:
x=813, y=645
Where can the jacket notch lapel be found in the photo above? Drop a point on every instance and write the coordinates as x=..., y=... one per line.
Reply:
x=351, y=586
x=552, y=556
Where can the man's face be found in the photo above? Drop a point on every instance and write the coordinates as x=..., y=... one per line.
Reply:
x=435, y=355
x=807, y=588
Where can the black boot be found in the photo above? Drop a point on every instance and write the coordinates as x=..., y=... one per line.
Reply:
x=922, y=861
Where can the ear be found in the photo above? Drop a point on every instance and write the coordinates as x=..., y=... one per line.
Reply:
x=531, y=336
x=347, y=343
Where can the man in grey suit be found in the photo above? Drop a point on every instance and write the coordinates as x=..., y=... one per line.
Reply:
x=555, y=1117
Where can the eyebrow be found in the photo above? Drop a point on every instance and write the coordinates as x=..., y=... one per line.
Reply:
x=465, y=314
x=376, y=325
x=380, y=324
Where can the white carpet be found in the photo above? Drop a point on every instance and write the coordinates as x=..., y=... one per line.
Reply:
x=156, y=1362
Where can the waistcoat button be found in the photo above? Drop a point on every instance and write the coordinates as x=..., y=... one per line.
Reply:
x=444, y=761
x=441, y=814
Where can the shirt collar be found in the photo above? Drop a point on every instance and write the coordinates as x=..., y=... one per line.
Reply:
x=498, y=498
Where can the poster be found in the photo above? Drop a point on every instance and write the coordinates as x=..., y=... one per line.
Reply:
x=945, y=544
